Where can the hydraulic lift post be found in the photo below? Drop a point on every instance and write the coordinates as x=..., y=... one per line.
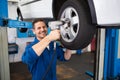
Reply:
x=112, y=61
x=107, y=60
x=4, y=23
x=4, y=62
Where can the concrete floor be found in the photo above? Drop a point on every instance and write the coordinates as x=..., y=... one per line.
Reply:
x=72, y=70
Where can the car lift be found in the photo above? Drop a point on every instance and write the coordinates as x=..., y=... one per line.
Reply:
x=107, y=65
x=4, y=23
x=107, y=58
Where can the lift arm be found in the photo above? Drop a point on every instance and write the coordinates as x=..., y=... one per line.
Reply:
x=15, y=23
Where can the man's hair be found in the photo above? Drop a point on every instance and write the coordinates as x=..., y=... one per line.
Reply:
x=37, y=20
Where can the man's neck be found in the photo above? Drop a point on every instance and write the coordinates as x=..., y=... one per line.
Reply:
x=39, y=38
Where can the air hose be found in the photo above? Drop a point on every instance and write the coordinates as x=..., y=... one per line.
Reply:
x=49, y=66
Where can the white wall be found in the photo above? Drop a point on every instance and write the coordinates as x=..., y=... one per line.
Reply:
x=12, y=14
x=21, y=42
x=12, y=33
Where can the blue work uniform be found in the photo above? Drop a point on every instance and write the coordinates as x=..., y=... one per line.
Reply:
x=37, y=65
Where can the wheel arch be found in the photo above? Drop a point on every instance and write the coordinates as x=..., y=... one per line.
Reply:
x=92, y=11
x=57, y=4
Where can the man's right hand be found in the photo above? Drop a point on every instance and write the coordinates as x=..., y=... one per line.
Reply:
x=54, y=35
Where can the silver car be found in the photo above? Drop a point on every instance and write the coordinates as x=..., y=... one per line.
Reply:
x=84, y=16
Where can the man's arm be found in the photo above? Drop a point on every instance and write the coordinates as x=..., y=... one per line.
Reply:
x=67, y=54
x=40, y=46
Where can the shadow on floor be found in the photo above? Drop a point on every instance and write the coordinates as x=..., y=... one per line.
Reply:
x=72, y=70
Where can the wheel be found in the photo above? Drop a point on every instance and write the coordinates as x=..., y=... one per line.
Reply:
x=20, y=17
x=80, y=31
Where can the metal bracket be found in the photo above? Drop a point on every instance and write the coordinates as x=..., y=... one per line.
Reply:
x=14, y=23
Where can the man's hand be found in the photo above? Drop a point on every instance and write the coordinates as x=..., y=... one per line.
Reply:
x=67, y=54
x=54, y=35
x=39, y=47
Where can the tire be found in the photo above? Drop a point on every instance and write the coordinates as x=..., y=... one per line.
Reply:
x=81, y=31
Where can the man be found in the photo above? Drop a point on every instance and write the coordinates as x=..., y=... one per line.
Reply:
x=39, y=53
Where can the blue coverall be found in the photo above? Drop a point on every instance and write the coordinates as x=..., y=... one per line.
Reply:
x=37, y=65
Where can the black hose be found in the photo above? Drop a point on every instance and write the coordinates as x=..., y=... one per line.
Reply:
x=49, y=66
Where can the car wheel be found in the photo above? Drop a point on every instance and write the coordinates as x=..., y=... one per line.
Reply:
x=80, y=31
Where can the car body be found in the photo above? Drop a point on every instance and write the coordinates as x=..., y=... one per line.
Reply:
x=84, y=15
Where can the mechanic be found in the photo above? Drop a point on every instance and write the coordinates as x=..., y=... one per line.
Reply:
x=38, y=53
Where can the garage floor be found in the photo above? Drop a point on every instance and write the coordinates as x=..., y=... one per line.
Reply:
x=72, y=70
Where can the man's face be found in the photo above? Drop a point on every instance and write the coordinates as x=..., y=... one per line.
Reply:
x=40, y=30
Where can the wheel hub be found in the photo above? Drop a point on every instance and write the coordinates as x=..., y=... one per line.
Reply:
x=70, y=29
